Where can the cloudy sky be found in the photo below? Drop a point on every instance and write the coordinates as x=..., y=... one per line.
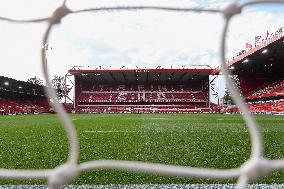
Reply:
x=115, y=39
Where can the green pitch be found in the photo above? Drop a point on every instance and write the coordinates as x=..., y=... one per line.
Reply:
x=219, y=141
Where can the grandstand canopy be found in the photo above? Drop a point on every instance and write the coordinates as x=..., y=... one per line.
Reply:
x=142, y=75
x=268, y=60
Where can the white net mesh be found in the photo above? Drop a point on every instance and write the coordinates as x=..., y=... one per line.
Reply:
x=253, y=169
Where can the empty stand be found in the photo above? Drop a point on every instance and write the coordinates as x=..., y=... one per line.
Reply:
x=16, y=108
x=143, y=99
x=268, y=90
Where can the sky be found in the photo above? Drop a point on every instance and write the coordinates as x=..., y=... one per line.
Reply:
x=145, y=39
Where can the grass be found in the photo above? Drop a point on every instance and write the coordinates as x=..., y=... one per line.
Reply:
x=219, y=141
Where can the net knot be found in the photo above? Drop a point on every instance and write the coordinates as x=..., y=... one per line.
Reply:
x=231, y=10
x=62, y=174
x=59, y=13
x=255, y=168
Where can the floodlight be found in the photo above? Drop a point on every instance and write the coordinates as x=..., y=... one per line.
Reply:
x=264, y=51
x=245, y=61
x=231, y=68
x=20, y=87
x=6, y=83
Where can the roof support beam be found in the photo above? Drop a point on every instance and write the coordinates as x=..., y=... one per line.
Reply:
x=111, y=75
x=159, y=75
x=170, y=78
x=180, y=77
x=213, y=79
x=194, y=76
x=147, y=77
x=124, y=77
x=103, y=78
x=91, y=78
x=136, y=78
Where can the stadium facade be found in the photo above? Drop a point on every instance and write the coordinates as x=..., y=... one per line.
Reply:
x=142, y=90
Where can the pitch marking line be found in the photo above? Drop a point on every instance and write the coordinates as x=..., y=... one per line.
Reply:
x=159, y=131
x=111, y=131
x=148, y=186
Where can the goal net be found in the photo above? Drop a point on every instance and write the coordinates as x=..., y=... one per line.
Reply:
x=255, y=168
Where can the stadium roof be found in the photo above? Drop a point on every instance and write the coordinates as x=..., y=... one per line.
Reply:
x=15, y=86
x=261, y=60
x=158, y=75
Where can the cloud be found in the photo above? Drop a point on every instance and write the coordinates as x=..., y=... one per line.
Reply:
x=136, y=38
x=28, y=9
x=83, y=4
x=148, y=37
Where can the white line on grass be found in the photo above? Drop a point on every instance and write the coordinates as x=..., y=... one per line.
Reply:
x=162, y=131
x=149, y=118
x=149, y=186
x=111, y=131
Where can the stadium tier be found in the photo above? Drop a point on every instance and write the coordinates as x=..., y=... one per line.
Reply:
x=268, y=106
x=261, y=78
x=18, y=97
x=269, y=89
x=142, y=90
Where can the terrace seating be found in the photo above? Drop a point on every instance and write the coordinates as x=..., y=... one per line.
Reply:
x=157, y=93
x=134, y=96
x=152, y=87
x=272, y=107
x=271, y=89
x=262, y=98
x=15, y=108
x=260, y=107
x=142, y=109
x=128, y=99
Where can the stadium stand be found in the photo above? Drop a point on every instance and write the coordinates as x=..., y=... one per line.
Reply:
x=270, y=89
x=261, y=79
x=15, y=108
x=142, y=91
x=18, y=97
x=268, y=98
x=271, y=106
x=259, y=107
x=123, y=93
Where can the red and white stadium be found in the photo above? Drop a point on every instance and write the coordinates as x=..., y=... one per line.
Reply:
x=259, y=72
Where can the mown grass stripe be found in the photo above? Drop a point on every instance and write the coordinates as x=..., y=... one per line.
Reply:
x=192, y=140
x=151, y=186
